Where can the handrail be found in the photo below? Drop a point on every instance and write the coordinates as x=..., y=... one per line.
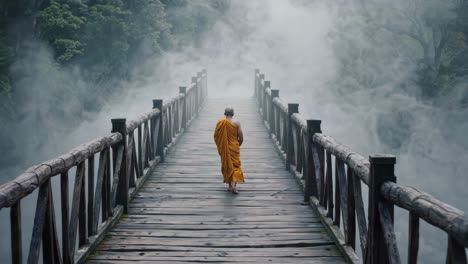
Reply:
x=332, y=175
x=13, y=191
x=358, y=163
x=102, y=187
x=428, y=208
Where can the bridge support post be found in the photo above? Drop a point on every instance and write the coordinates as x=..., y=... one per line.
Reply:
x=292, y=109
x=158, y=104
x=194, y=103
x=265, y=101
x=120, y=125
x=261, y=90
x=183, y=90
x=205, y=85
x=310, y=178
x=199, y=89
x=271, y=111
x=382, y=169
x=257, y=71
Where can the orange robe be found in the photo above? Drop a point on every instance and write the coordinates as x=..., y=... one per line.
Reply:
x=226, y=138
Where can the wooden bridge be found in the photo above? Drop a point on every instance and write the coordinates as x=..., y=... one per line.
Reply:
x=152, y=192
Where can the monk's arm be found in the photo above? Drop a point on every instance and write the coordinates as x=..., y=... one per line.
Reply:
x=240, y=135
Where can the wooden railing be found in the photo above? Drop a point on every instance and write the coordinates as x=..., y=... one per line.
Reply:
x=100, y=190
x=332, y=176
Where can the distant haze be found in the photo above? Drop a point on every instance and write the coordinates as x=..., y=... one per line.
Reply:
x=322, y=55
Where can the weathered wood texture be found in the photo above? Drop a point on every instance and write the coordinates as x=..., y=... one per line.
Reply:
x=339, y=199
x=184, y=212
x=98, y=197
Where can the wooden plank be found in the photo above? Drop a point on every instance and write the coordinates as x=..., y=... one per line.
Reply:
x=16, y=234
x=51, y=247
x=337, y=219
x=99, y=185
x=83, y=232
x=360, y=214
x=342, y=184
x=118, y=165
x=329, y=187
x=351, y=212
x=130, y=165
x=90, y=203
x=136, y=165
x=183, y=213
x=108, y=183
x=75, y=208
x=140, y=153
x=64, y=198
x=456, y=253
x=39, y=221
x=413, y=237
x=386, y=220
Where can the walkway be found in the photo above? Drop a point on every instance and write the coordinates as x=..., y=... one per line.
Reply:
x=183, y=213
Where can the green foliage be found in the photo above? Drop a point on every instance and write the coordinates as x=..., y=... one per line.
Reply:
x=60, y=27
x=6, y=58
x=106, y=37
x=148, y=25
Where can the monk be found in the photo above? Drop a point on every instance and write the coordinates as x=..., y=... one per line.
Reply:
x=228, y=137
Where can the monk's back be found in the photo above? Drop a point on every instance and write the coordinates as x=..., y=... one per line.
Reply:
x=228, y=138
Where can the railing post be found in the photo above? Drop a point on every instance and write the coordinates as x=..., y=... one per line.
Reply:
x=310, y=179
x=271, y=119
x=16, y=234
x=194, y=100
x=158, y=104
x=265, y=100
x=205, y=84
x=120, y=125
x=183, y=90
x=382, y=169
x=199, y=89
x=257, y=71
x=292, y=108
x=260, y=90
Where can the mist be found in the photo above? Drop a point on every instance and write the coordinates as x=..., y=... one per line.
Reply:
x=360, y=80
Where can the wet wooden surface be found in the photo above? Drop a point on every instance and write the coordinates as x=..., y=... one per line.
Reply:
x=184, y=213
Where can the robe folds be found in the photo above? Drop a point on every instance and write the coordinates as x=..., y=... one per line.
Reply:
x=227, y=142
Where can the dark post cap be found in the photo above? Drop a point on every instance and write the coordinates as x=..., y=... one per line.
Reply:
x=182, y=89
x=118, y=120
x=267, y=84
x=274, y=93
x=382, y=159
x=262, y=76
x=314, y=125
x=293, y=108
x=119, y=125
x=157, y=103
x=194, y=79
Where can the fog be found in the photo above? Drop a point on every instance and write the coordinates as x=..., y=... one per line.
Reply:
x=320, y=54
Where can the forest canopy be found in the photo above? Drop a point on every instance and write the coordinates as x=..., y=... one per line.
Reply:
x=101, y=41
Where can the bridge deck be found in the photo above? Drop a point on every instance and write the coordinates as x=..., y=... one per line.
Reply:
x=183, y=213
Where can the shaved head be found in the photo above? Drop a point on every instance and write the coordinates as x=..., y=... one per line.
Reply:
x=229, y=111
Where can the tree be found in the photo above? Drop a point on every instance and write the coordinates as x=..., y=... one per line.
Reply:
x=60, y=27
x=6, y=58
x=429, y=24
x=106, y=35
